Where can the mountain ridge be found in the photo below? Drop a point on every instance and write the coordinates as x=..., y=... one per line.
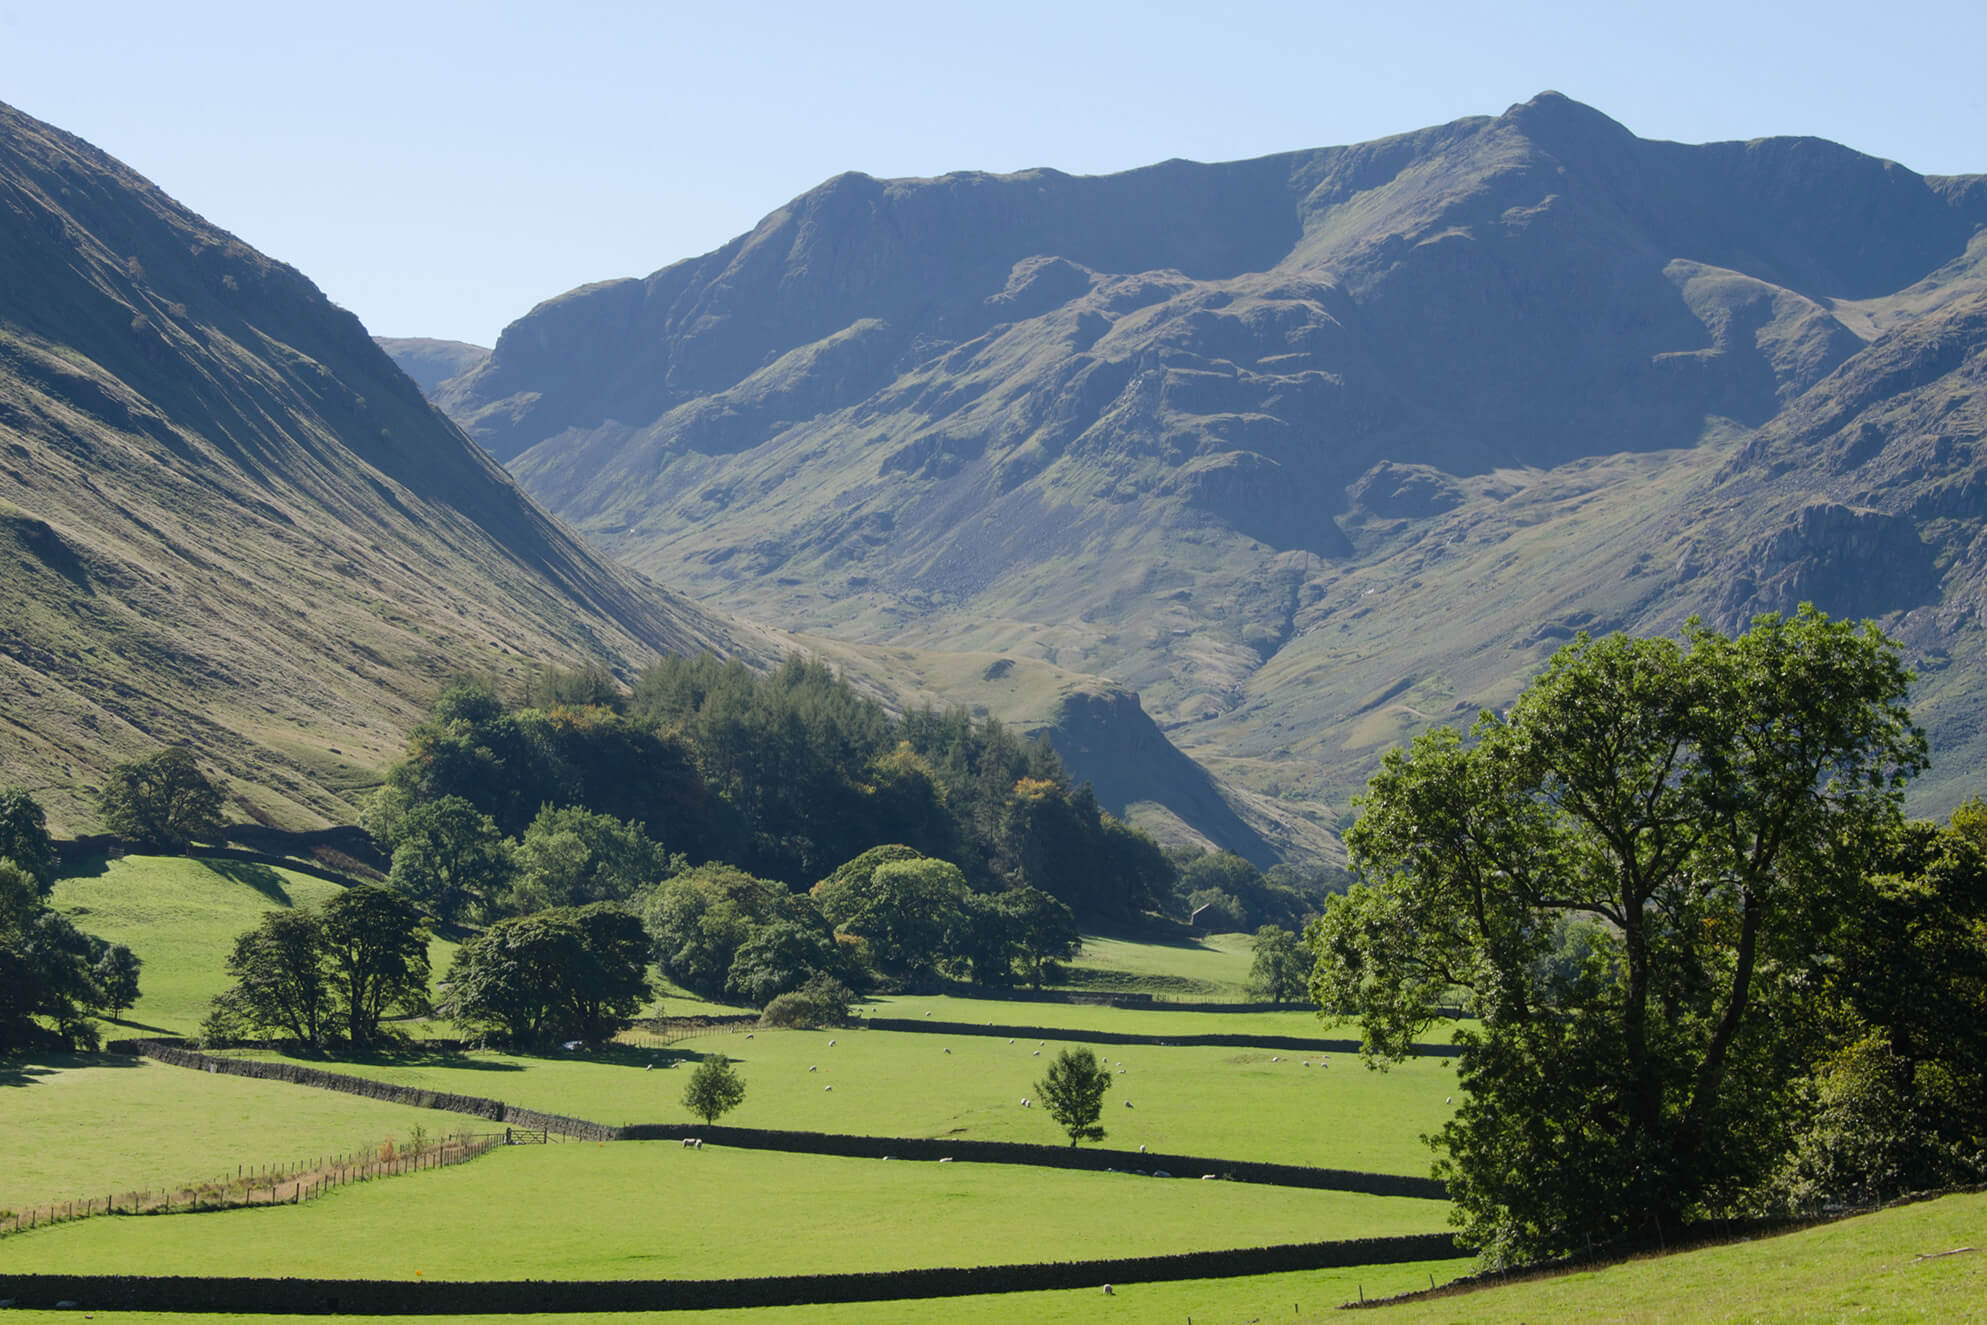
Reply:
x=1155, y=426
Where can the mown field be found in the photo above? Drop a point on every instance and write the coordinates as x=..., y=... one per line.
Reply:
x=74, y=1126
x=632, y=1210
x=1225, y=1102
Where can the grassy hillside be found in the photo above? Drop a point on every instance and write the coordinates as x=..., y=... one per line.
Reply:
x=228, y=520
x=181, y=916
x=1883, y=1266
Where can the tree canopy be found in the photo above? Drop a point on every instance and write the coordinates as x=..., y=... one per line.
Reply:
x=162, y=802
x=1628, y=880
x=559, y=974
x=1073, y=1092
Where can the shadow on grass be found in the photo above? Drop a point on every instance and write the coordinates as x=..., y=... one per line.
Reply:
x=141, y=1026
x=93, y=866
x=259, y=877
x=27, y=1069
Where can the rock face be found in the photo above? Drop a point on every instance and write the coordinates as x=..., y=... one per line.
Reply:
x=228, y=521
x=1259, y=439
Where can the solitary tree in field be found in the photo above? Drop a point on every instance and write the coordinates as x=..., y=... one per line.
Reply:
x=715, y=1089
x=162, y=801
x=1073, y=1091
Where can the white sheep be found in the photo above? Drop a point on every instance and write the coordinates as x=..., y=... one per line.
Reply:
x=827, y=1088
x=831, y=1044
x=1141, y=1150
x=947, y=1159
x=1036, y=1054
x=813, y=1068
x=948, y=1051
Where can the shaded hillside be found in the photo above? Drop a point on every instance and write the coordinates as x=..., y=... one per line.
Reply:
x=431, y=362
x=1158, y=426
x=227, y=520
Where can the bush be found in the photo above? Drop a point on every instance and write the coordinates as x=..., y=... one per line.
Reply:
x=822, y=1001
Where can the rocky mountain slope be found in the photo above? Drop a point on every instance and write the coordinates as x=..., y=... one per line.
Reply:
x=227, y=520
x=1311, y=450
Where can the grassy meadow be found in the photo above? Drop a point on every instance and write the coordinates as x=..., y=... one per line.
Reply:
x=633, y=1210
x=81, y=1125
x=182, y=915
x=1222, y=1102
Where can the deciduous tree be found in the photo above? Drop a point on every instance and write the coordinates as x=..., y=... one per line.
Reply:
x=1073, y=1092
x=162, y=802
x=714, y=1089
x=1701, y=808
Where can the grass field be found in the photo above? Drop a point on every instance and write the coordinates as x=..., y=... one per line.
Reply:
x=1158, y=1020
x=182, y=917
x=92, y=1125
x=1221, y=1102
x=1206, y=1301
x=1210, y=969
x=655, y=1210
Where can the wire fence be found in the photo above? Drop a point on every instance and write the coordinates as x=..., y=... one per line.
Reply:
x=267, y=1184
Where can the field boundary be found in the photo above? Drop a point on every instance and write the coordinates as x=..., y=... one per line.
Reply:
x=809, y=1143
x=1221, y=1040
x=204, y=1293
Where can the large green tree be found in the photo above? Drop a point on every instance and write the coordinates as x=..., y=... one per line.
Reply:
x=1281, y=971
x=1626, y=881
x=449, y=857
x=162, y=802
x=556, y=975
x=375, y=954
x=281, y=986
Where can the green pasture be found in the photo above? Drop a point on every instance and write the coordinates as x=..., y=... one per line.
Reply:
x=182, y=916
x=1158, y=1020
x=1223, y=1102
x=633, y=1210
x=1302, y=1296
x=1212, y=968
x=93, y=1125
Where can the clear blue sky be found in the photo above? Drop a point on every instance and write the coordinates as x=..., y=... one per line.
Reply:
x=440, y=167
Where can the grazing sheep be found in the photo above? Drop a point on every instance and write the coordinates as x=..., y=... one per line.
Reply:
x=948, y=1051
x=649, y=1068
x=831, y=1044
x=1024, y=1101
x=927, y=1014
x=1127, y=1104
x=748, y=1035
x=945, y=1159
x=827, y=1087
x=689, y=1142
x=1010, y=1042
x=1108, y=1292
x=1036, y=1054
x=1448, y=1099
x=1275, y=1059
x=813, y=1069
x=1141, y=1150
x=1207, y=1177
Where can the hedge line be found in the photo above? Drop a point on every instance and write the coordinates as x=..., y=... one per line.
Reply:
x=485, y=1297
x=1294, y=1043
x=808, y=1143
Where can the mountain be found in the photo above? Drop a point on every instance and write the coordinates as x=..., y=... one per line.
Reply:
x=227, y=520
x=431, y=362
x=1313, y=450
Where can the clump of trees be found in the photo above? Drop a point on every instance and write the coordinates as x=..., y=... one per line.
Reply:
x=325, y=975
x=1669, y=883
x=499, y=810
